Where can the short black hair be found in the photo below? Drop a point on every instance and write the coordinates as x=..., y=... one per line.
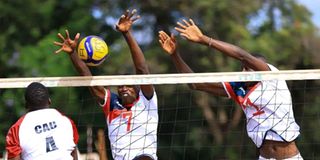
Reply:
x=36, y=96
x=260, y=56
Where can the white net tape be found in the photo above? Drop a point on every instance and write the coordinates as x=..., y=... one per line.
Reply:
x=113, y=80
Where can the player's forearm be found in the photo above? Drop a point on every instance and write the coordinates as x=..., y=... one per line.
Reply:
x=80, y=66
x=182, y=67
x=136, y=53
x=226, y=48
x=83, y=69
x=180, y=64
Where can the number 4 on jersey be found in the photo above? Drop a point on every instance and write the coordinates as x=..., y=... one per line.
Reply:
x=50, y=144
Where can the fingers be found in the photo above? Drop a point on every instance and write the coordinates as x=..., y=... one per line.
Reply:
x=134, y=11
x=179, y=29
x=181, y=25
x=172, y=37
x=184, y=35
x=67, y=34
x=130, y=16
x=76, y=38
x=57, y=51
x=191, y=21
x=135, y=18
x=57, y=43
x=161, y=42
x=186, y=22
x=126, y=13
x=61, y=37
x=163, y=36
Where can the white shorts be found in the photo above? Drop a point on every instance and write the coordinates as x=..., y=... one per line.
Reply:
x=296, y=157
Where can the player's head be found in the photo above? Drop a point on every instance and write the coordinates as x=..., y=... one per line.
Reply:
x=128, y=93
x=245, y=68
x=36, y=96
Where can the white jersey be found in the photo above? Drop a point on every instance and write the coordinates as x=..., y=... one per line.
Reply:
x=42, y=134
x=134, y=132
x=268, y=109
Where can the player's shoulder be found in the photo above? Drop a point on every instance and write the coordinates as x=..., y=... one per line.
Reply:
x=18, y=122
x=141, y=94
x=272, y=67
x=115, y=101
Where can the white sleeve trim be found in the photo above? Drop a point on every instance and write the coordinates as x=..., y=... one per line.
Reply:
x=105, y=98
x=225, y=88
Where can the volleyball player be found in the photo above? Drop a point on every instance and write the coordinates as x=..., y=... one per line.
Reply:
x=132, y=115
x=43, y=132
x=266, y=104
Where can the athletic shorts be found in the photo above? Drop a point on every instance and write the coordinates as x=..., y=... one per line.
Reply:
x=296, y=157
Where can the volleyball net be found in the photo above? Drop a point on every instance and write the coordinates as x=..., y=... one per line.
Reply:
x=192, y=124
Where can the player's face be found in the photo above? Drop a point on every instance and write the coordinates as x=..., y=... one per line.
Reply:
x=127, y=93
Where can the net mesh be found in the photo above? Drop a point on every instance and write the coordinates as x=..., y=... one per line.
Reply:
x=193, y=125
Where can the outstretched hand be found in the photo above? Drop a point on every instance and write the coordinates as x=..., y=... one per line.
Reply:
x=168, y=43
x=126, y=20
x=68, y=45
x=189, y=30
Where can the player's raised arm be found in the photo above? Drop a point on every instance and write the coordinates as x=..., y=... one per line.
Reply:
x=191, y=31
x=124, y=26
x=69, y=45
x=169, y=45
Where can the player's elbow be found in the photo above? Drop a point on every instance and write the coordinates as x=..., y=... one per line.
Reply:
x=142, y=69
x=242, y=55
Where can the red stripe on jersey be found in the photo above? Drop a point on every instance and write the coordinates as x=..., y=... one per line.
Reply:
x=133, y=103
x=75, y=132
x=252, y=89
x=231, y=92
x=106, y=107
x=12, y=140
x=115, y=113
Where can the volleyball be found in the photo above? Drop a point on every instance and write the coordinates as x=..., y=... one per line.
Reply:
x=93, y=50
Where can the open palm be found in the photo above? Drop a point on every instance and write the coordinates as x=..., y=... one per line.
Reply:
x=126, y=21
x=68, y=45
x=167, y=43
x=189, y=30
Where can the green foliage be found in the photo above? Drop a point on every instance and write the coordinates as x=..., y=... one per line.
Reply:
x=29, y=27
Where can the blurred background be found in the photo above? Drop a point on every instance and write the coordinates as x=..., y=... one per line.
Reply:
x=286, y=32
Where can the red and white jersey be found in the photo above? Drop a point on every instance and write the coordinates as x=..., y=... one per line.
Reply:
x=42, y=134
x=268, y=109
x=132, y=132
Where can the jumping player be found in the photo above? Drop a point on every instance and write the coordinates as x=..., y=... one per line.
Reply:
x=132, y=115
x=42, y=133
x=266, y=104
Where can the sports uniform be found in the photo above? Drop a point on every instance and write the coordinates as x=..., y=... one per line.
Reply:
x=268, y=109
x=42, y=134
x=133, y=132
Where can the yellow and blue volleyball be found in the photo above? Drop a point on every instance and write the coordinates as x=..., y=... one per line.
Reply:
x=93, y=50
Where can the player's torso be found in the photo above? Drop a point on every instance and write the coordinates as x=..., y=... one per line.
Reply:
x=134, y=131
x=46, y=134
x=266, y=99
x=268, y=107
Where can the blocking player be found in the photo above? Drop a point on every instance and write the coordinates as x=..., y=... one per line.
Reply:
x=132, y=115
x=266, y=104
x=43, y=132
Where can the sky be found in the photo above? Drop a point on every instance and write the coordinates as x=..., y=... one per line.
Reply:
x=314, y=7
